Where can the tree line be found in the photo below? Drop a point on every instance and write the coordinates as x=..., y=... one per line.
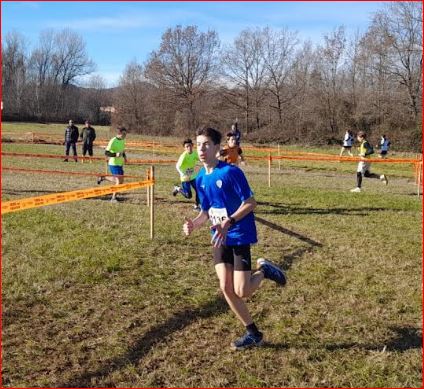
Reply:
x=278, y=87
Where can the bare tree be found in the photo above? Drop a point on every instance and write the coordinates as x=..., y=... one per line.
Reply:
x=70, y=59
x=14, y=72
x=399, y=27
x=244, y=69
x=93, y=97
x=130, y=99
x=329, y=61
x=279, y=50
x=184, y=65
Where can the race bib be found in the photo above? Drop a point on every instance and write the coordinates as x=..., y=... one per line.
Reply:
x=217, y=215
x=189, y=172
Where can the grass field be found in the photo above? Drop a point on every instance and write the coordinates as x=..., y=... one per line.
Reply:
x=88, y=300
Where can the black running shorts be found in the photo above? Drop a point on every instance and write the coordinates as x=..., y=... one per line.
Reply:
x=237, y=256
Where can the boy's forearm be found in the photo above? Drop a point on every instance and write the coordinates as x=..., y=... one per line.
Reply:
x=200, y=219
x=245, y=208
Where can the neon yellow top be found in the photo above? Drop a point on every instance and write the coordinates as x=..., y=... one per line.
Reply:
x=116, y=145
x=186, y=164
x=365, y=149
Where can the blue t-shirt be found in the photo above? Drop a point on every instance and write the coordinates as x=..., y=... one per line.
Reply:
x=221, y=194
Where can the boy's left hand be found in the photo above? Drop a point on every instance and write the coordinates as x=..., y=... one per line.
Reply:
x=218, y=238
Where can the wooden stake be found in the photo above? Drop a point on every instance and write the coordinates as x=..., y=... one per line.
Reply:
x=152, y=208
x=279, y=161
x=148, y=189
x=269, y=170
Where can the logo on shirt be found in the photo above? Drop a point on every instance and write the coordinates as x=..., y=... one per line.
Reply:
x=219, y=184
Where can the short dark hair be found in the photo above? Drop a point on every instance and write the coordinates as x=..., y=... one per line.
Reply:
x=230, y=134
x=187, y=141
x=362, y=134
x=120, y=130
x=211, y=133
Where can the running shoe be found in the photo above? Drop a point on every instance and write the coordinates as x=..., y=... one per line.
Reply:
x=383, y=177
x=176, y=190
x=247, y=340
x=100, y=179
x=271, y=271
x=356, y=190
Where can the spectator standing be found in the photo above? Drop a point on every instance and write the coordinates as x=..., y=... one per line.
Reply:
x=88, y=136
x=236, y=131
x=71, y=139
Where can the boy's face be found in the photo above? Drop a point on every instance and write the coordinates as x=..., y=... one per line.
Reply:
x=188, y=147
x=360, y=138
x=231, y=141
x=206, y=149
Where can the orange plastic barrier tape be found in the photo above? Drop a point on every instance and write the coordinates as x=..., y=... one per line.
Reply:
x=21, y=170
x=41, y=201
x=345, y=159
x=54, y=156
x=130, y=161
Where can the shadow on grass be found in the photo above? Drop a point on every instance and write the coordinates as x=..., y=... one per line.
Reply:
x=404, y=339
x=281, y=209
x=288, y=232
x=289, y=259
x=18, y=192
x=156, y=335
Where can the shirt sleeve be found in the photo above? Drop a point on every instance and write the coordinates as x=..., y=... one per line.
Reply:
x=203, y=200
x=179, y=163
x=239, y=183
x=110, y=145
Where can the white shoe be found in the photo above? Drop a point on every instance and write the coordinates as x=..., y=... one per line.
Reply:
x=114, y=200
x=176, y=190
x=383, y=177
x=356, y=190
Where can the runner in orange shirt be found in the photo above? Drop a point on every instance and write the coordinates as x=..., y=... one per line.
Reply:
x=231, y=152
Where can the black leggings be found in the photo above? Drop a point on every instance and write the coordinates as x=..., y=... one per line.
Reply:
x=367, y=174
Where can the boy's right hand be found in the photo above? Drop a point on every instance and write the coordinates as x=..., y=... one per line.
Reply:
x=188, y=226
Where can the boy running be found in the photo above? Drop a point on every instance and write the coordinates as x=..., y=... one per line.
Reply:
x=185, y=166
x=115, y=150
x=365, y=151
x=347, y=143
x=384, y=146
x=226, y=199
x=231, y=152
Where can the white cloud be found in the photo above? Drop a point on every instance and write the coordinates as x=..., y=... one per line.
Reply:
x=106, y=23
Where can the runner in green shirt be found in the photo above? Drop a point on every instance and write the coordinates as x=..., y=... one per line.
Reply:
x=115, y=150
x=185, y=166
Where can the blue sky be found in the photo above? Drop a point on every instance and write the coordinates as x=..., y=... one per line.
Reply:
x=119, y=32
